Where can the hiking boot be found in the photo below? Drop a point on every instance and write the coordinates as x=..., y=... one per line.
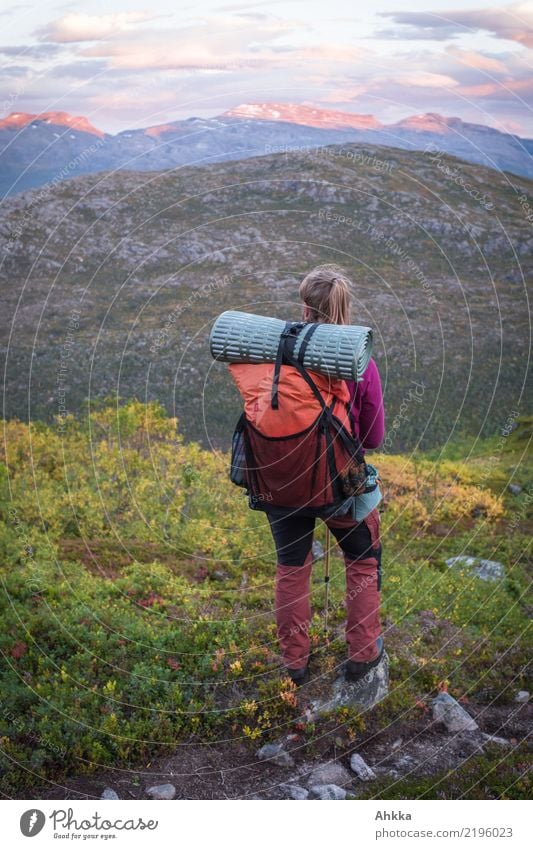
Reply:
x=355, y=670
x=363, y=693
x=298, y=676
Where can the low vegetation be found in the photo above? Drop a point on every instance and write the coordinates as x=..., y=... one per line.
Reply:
x=137, y=597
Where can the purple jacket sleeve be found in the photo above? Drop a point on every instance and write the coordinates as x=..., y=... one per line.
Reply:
x=367, y=407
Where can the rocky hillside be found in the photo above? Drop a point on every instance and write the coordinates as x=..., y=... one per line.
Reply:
x=111, y=282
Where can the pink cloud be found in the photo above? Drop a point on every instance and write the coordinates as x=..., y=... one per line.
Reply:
x=76, y=27
x=477, y=60
x=426, y=79
x=502, y=89
x=217, y=44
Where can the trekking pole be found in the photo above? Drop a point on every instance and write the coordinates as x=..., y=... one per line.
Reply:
x=326, y=583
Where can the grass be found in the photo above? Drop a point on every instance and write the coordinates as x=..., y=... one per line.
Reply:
x=137, y=600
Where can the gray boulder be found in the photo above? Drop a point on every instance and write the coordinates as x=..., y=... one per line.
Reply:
x=276, y=754
x=294, y=791
x=487, y=570
x=318, y=550
x=361, y=768
x=448, y=711
x=109, y=794
x=329, y=773
x=161, y=791
x=405, y=763
x=522, y=697
x=514, y=488
x=327, y=792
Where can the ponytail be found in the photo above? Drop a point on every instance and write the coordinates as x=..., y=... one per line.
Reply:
x=326, y=290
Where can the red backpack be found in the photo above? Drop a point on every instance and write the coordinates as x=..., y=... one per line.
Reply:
x=294, y=447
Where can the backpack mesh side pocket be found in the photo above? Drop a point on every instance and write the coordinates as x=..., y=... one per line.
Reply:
x=237, y=471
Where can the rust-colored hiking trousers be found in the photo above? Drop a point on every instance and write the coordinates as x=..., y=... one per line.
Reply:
x=361, y=546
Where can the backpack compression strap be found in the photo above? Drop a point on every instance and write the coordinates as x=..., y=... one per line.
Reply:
x=285, y=352
x=305, y=341
x=274, y=401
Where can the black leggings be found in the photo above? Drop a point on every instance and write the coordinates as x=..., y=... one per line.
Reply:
x=293, y=536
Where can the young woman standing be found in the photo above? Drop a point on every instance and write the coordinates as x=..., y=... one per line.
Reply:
x=325, y=293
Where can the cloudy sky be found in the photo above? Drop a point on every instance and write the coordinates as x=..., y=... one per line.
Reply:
x=135, y=63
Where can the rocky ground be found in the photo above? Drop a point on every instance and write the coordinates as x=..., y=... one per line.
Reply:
x=435, y=746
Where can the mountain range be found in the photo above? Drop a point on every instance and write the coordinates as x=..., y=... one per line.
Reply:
x=42, y=149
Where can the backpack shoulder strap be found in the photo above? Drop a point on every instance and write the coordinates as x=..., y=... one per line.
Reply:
x=311, y=383
x=285, y=355
x=274, y=400
x=349, y=407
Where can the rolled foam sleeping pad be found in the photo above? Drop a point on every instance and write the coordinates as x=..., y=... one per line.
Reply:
x=337, y=350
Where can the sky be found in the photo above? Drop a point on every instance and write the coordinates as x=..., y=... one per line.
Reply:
x=135, y=63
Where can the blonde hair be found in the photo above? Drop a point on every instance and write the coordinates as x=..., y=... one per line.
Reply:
x=326, y=290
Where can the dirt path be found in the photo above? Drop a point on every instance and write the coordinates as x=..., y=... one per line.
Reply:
x=402, y=751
